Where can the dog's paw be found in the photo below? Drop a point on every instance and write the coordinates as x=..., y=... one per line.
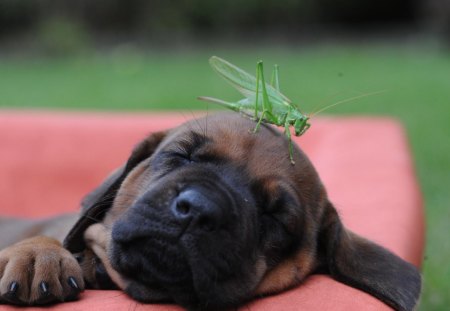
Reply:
x=38, y=271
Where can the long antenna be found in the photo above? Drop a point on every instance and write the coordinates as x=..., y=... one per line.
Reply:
x=347, y=100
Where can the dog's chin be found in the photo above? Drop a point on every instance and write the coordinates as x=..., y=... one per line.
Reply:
x=182, y=273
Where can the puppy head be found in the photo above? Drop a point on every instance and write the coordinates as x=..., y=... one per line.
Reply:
x=210, y=215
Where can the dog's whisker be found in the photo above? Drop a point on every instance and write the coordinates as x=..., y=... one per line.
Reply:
x=189, y=125
x=200, y=128
x=109, y=199
x=196, y=121
x=206, y=120
x=135, y=306
x=91, y=218
x=186, y=118
x=119, y=294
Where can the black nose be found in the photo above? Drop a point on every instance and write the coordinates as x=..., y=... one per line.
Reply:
x=198, y=208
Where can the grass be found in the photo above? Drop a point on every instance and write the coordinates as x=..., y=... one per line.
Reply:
x=418, y=92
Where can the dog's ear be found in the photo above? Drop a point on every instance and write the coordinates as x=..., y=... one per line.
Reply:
x=365, y=265
x=99, y=201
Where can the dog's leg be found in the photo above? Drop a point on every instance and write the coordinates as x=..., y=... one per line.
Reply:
x=37, y=269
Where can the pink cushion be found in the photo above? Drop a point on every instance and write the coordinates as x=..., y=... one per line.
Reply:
x=49, y=160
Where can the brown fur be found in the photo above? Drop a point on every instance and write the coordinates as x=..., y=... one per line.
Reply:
x=291, y=197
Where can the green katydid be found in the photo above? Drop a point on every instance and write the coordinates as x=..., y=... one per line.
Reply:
x=275, y=108
x=264, y=102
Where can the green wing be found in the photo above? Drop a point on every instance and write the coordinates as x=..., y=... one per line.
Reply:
x=244, y=82
x=232, y=106
x=244, y=105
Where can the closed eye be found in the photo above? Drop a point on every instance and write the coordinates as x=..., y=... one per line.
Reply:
x=180, y=150
x=185, y=150
x=177, y=157
x=166, y=161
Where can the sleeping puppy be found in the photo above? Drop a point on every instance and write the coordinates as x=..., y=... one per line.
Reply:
x=207, y=215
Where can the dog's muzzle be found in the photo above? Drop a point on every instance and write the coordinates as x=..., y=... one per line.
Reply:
x=168, y=232
x=193, y=211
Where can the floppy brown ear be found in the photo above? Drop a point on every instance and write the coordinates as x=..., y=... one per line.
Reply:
x=365, y=265
x=99, y=201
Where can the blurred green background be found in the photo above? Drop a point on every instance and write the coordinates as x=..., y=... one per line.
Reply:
x=152, y=55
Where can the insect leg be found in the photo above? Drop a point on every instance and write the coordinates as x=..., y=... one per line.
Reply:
x=266, y=105
x=266, y=102
x=257, y=90
x=275, y=81
x=287, y=132
x=260, y=121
